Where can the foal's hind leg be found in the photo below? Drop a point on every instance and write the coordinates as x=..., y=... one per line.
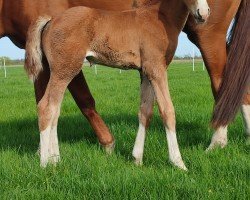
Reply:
x=145, y=113
x=54, y=145
x=157, y=76
x=48, y=112
x=62, y=72
x=78, y=88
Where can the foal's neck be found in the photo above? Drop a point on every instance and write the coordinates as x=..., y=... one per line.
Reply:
x=173, y=12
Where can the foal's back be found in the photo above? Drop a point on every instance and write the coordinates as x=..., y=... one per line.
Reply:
x=114, y=37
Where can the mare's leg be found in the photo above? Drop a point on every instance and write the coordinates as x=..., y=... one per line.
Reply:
x=215, y=59
x=40, y=86
x=157, y=76
x=145, y=114
x=79, y=90
x=215, y=55
x=213, y=49
x=41, y=82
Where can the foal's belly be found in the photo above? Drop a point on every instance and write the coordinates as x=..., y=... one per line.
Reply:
x=122, y=60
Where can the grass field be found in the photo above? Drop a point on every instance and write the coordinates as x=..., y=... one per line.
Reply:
x=85, y=172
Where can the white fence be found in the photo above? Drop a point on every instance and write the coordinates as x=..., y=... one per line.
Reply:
x=3, y=66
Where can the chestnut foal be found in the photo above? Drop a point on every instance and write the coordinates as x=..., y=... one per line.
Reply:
x=144, y=39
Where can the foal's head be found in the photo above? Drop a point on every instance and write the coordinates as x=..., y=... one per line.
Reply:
x=199, y=9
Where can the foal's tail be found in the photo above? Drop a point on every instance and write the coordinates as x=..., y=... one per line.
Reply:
x=237, y=72
x=33, y=57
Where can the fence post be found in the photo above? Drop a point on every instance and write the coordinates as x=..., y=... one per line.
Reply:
x=193, y=59
x=5, y=71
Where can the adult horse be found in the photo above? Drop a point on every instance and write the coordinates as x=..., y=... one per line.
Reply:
x=16, y=17
x=144, y=39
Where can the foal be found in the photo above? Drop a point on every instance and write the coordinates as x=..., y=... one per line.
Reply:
x=144, y=39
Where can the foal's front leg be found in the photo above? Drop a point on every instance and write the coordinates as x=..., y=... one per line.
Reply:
x=145, y=113
x=158, y=77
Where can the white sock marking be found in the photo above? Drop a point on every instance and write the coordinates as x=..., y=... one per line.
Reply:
x=45, y=146
x=219, y=138
x=173, y=148
x=54, y=146
x=139, y=144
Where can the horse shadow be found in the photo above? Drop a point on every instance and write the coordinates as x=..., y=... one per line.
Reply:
x=23, y=136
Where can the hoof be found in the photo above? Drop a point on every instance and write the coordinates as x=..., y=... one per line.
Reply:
x=54, y=159
x=138, y=157
x=109, y=149
x=219, y=139
x=43, y=163
x=180, y=164
x=138, y=161
x=217, y=144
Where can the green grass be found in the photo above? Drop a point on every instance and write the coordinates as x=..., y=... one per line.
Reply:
x=86, y=172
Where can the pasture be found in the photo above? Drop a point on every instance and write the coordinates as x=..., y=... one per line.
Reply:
x=86, y=172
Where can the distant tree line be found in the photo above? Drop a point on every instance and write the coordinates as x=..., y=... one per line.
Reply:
x=187, y=57
x=9, y=61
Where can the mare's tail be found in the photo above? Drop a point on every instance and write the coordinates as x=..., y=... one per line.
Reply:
x=33, y=57
x=237, y=72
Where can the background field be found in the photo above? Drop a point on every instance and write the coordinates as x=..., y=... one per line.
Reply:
x=85, y=172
